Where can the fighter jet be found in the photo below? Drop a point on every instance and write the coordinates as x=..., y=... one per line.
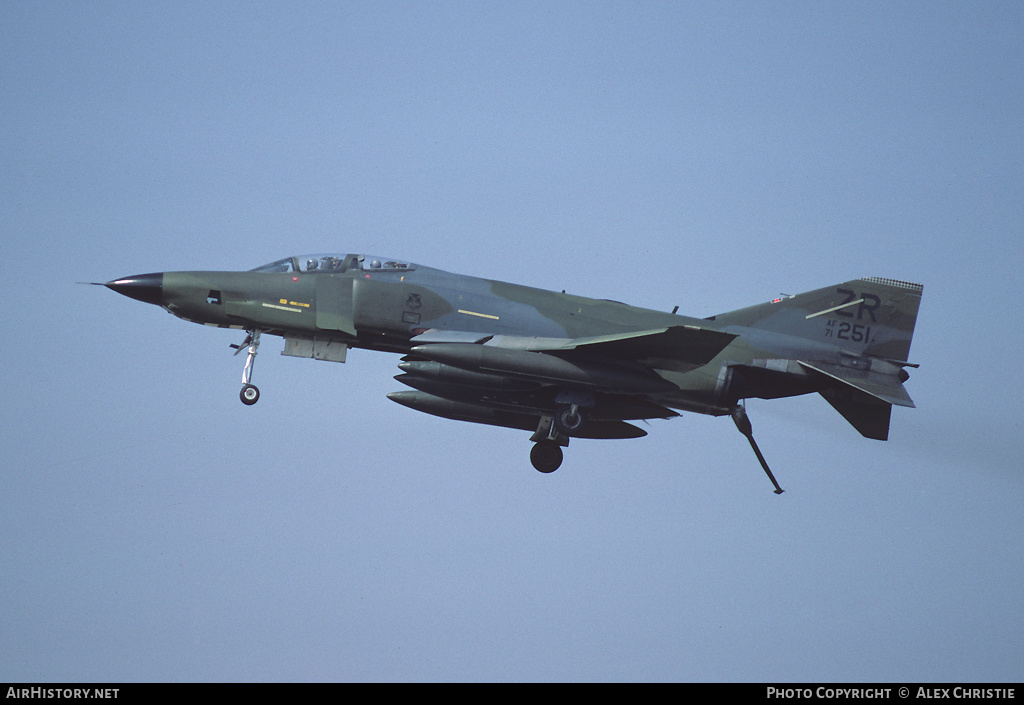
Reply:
x=554, y=364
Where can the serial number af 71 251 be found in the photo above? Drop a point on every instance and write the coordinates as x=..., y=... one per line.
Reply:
x=844, y=330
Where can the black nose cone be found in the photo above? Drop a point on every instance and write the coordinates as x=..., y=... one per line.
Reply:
x=142, y=287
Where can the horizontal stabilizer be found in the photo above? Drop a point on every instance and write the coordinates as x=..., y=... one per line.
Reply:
x=867, y=414
x=864, y=397
x=884, y=387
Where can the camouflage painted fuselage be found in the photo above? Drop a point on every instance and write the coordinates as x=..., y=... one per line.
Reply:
x=512, y=355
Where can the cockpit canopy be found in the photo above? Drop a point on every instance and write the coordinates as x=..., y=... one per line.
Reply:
x=334, y=264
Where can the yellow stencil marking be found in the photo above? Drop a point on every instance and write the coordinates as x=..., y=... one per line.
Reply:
x=479, y=315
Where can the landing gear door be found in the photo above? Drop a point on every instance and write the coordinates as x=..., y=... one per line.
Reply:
x=334, y=303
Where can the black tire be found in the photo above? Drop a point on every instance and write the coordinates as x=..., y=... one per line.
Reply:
x=249, y=394
x=546, y=456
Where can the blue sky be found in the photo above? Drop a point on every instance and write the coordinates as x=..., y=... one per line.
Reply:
x=706, y=155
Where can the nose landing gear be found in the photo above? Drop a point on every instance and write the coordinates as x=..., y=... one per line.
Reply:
x=250, y=394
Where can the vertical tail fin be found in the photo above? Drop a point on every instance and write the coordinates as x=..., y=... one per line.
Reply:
x=871, y=316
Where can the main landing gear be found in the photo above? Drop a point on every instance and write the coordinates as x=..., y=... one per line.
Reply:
x=554, y=431
x=567, y=418
x=546, y=456
x=250, y=394
x=549, y=438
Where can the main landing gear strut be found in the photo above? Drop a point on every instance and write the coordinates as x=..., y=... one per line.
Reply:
x=554, y=431
x=550, y=436
x=250, y=394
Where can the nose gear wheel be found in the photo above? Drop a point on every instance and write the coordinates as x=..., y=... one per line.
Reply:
x=250, y=394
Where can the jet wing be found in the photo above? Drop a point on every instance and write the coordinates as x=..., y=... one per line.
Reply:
x=677, y=348
x=613, y=364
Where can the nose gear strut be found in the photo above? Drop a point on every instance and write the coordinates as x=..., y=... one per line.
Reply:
x=250, y=394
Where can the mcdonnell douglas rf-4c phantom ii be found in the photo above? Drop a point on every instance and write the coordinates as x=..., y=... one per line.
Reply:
x=558, y=365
